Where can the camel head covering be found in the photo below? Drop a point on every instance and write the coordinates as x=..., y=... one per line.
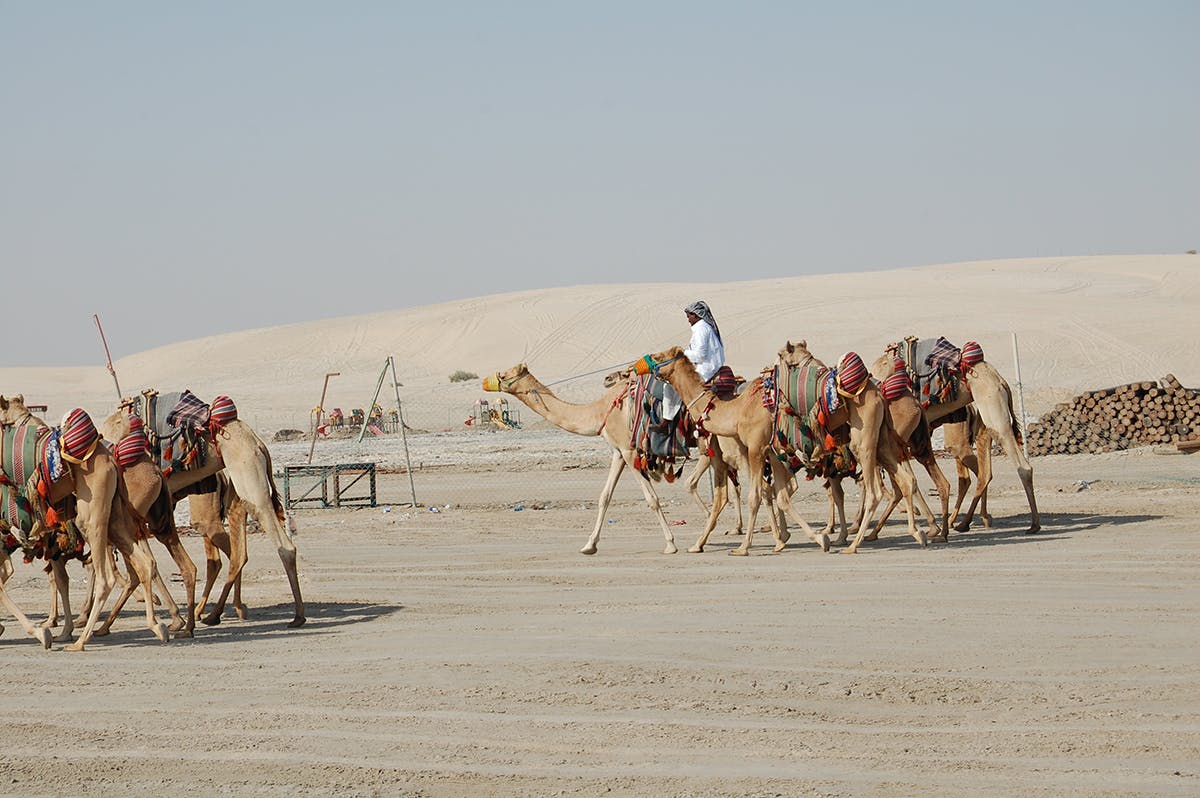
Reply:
x=701, y=309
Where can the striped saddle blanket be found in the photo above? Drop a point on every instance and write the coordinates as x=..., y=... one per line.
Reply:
x=660, y=445
x=803, y=399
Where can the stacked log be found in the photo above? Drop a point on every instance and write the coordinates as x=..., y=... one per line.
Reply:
x=1124, y=417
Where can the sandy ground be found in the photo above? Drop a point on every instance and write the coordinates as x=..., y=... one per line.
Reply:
x=474, y=651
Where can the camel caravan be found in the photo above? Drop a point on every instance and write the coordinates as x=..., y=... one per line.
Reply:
x=78, y=491
x=801, y=417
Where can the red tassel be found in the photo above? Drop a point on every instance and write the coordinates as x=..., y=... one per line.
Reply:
x=167, y=454
x=42, y=489
x=830, y=443
x=52, y=519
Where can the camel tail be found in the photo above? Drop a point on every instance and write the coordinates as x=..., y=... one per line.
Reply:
x=1012, y=414
x=919, y=442
x=162, y=513
x=276, y=501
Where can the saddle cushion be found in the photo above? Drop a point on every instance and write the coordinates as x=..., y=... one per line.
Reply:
x=972, y=353
x=131, y=447
x=851, y=374
x=896, y=386
x=723, y=383
x=79, y=436
x=222, y=411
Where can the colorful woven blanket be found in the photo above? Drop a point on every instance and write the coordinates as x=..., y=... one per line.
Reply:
x=803, y=399
x=660, y=445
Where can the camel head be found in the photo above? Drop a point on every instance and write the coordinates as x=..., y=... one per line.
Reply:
x=13, y=409
x=885, y=365
x=661, y=364
x=618, y=377
x=506, y=380
x=797, y=354
x=116, y=426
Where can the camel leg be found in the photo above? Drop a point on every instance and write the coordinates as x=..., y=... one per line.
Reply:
x=943, y=488
x=187, y=569
x=754, y=460
x=145, y=570
x=983, y=445
x=38, y=633
x=52, y=619
x=904, y=479
x=693, y=483
x=238, y=556
x=61, y=585
x=127, y=590
x=872, y=489
x=720, y=499
x=995, y=410
x=782, y=476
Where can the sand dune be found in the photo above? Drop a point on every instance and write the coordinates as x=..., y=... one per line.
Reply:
x=1081, y=322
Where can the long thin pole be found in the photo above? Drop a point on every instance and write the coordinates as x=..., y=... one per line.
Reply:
x=1020, y=396
x=371, y=405
x=403, y=431
x=108, y=357
x=320, y=410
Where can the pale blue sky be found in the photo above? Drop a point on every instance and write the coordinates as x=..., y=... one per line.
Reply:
x=331, y=159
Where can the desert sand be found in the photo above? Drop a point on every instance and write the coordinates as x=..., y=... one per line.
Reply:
x=474, y=651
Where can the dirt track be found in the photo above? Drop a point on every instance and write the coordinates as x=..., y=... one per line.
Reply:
x=475, y=652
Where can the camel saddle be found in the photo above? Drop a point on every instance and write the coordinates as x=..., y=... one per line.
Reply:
x=658, y=443
x=803, y=399
x=934, y=366
x=176, y=426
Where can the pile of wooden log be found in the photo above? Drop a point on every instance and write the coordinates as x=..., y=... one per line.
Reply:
x=1138, y=414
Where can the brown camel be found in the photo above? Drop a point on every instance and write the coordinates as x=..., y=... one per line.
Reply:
x=991, y=396
x=153, y=510
x=743, y=419
x=875, y=444
x=104, y=516
x=728, y=453
x=608, y=417
x=245, y=459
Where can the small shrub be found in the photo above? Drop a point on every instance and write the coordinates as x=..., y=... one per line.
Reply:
x=463, y=376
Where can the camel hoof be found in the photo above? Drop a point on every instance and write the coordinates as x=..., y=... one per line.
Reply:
x=184, y=633
x=670, y=549
x=241, y=612
x=1033, y=530
x=44, y=638
x=101, y=631
x=65, y=636
x=850, y=550
x=297, y=622
x=176, y=625
x=212, y=619
x=588, y=550
x=696, y=550
x=160, y=631
x=824, y=542
x=779, y=547
x=49, y=623
x=738, y=552
x=962, y=526
x=784, y=536
x=74, y=647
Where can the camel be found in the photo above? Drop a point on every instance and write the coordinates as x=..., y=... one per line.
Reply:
x=991, y=397
x=876, y=445
x=103, y=515
x=152, y=508
x=743, y=419
x=607, y=417
x=242, y=455
x=728, y=453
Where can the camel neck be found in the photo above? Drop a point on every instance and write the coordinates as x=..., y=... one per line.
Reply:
x=581, y=419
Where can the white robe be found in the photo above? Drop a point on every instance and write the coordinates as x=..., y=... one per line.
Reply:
x=707, y=354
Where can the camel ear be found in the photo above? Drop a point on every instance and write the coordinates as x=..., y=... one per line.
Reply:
x=803, y=343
